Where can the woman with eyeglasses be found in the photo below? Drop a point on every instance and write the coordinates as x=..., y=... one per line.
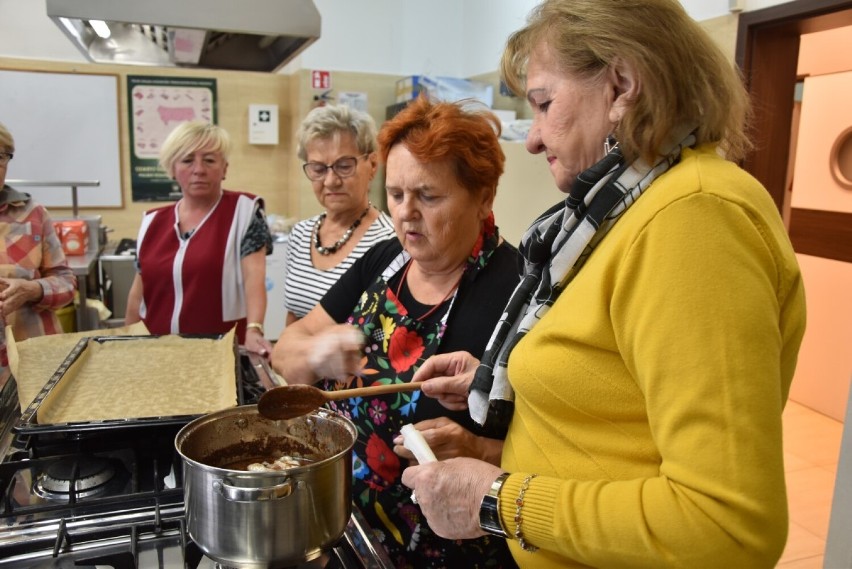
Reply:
x=338, y=147
x=440, y=286
x=34, y=275
x=201, y=265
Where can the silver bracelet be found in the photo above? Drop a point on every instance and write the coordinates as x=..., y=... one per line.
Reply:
x=519, y=503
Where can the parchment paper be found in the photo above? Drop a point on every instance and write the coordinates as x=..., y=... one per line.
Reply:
x=33, y=361
x=151, y=377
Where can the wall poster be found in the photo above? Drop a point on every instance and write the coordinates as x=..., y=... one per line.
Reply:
x=156, y=106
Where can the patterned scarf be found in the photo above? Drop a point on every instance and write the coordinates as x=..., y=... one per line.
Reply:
x=554, y=248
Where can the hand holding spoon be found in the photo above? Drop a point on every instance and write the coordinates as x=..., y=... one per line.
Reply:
x=290, y=401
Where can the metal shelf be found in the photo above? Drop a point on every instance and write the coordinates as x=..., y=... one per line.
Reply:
x=59, y=184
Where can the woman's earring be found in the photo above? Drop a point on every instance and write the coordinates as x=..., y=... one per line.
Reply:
x=610, y=144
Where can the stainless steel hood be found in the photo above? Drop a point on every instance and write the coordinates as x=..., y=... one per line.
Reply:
x=246, y=35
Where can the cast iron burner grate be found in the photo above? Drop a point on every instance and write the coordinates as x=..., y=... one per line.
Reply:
x=80, y=477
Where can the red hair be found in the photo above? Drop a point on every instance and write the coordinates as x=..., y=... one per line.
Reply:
x=436, y=131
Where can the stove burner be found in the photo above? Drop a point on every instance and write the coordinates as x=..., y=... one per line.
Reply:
x=89, y=475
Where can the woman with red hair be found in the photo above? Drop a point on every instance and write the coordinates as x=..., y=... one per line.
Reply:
x=441, y=286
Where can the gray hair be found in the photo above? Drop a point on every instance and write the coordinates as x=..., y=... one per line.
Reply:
x=324, y=122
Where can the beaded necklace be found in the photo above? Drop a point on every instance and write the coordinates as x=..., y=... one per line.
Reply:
x=340, y=242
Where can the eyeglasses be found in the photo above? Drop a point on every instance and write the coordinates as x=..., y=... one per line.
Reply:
x=343, y=167
x=5, y=157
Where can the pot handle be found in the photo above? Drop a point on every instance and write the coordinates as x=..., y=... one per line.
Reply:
x=242, y=494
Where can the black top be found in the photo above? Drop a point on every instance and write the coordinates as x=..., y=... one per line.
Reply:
x=476, y=311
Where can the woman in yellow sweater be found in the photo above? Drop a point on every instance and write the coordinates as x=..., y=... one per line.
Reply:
x=645, y=359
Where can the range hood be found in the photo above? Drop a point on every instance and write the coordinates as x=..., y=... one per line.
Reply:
x=245, y=35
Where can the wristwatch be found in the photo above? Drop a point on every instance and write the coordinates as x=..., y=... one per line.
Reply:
x=256, y=325
x=489, y=509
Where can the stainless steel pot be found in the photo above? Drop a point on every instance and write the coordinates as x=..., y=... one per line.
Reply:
x=266, y=519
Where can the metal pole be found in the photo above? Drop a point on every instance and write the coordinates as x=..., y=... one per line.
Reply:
x=74, y=208
x=58, y=184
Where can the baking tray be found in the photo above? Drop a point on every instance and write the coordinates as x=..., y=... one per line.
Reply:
x=28, y=422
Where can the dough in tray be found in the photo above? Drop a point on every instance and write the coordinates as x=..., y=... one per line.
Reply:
x=34, y=361
x=150, y=377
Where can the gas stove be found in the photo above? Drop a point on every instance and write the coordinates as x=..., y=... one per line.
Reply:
x=115, y=498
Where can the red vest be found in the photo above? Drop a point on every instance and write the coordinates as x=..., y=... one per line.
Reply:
x=182, y=278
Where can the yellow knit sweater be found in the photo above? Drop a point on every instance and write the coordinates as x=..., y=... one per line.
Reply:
x=649, y=398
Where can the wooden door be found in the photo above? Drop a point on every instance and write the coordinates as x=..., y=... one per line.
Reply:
x=767, y=52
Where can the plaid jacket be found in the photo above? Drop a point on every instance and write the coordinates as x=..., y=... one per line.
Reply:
x=30, y=249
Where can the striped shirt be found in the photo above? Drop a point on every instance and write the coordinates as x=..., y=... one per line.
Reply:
x=304, y=284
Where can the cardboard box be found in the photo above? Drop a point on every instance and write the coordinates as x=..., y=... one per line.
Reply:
x=450, y=89
x=74, y=236
x=408, y=88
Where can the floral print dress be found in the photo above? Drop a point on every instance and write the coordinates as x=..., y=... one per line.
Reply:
x=396, y=346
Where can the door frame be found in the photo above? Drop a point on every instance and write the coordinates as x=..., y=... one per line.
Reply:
x=767, y=52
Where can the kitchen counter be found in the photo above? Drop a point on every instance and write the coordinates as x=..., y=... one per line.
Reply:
x=85, y=265
x=117, y=266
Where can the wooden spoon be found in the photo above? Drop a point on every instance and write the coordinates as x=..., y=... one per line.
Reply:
x=290, y=401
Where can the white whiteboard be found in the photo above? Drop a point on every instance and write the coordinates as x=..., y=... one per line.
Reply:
x=65, y=127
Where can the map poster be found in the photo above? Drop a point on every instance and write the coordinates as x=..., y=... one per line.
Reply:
x=156, y=106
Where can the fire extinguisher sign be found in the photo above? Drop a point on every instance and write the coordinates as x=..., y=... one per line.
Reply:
x=321, y=79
